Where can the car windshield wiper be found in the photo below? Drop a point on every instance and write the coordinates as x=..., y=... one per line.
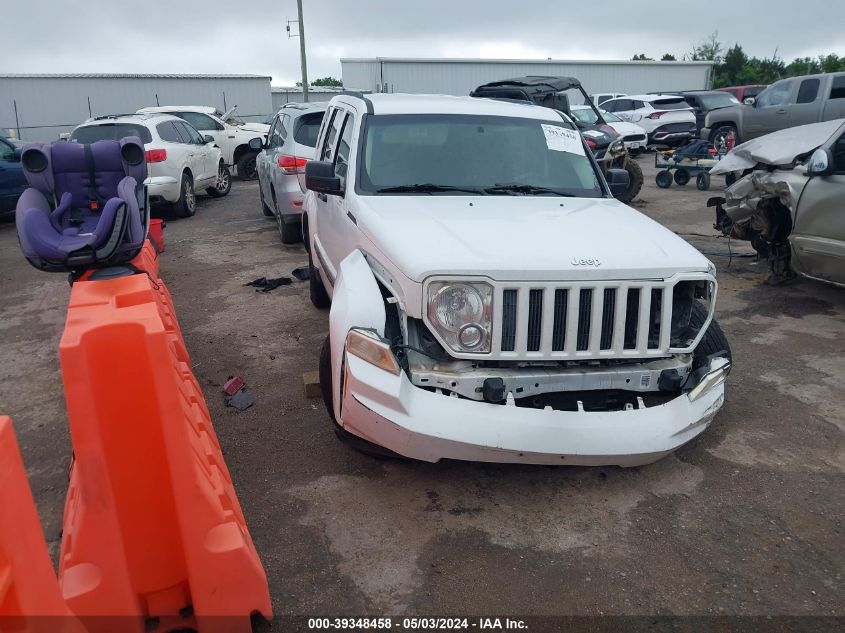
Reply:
x=531, y=190
x=427, y=187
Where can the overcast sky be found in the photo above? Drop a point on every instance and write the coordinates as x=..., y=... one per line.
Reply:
x=248, y=36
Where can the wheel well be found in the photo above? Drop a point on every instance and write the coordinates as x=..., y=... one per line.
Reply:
x=306, y=240
x=240, y=150
x=187, y=171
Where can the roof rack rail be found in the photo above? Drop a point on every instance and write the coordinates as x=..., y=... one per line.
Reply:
x=359, y=95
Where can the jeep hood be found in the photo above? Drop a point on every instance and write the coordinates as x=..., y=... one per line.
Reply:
x=510, y=238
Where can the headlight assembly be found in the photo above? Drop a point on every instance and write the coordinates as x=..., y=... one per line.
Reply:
x=460, y=312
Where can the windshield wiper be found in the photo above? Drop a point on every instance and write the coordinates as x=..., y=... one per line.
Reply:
x=427, y=188
x=531, y=190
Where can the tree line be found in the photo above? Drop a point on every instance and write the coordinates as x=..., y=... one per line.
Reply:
x=733, y=67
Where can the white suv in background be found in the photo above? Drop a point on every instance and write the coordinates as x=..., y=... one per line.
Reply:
x=667, y=119
x=281, y=165
x=491, y=300
x=230, y=133
x=180, y=160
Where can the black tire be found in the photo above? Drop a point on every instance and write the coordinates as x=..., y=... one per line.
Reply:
x=635, y=180
x=187, y=204
x=319, y=297
x=350, y=439
x=268, y=212
x=719, y=134
x=714, y=340
x=702, y=181
x=290, y=233
x=663, y=179
x=246, y=166
x=223, y=185
x=682, y=177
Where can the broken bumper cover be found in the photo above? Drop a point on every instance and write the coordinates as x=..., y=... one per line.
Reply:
x=390, y=411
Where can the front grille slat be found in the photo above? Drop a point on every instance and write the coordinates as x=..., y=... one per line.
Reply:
x=607, y=318
x=535, y=319
x=559, y=335
x=509, y=300
x=585, y=312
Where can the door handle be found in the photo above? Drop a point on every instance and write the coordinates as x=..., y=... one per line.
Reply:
x=781, y=111
x=323, y=197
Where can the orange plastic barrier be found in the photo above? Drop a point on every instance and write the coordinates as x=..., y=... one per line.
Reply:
x=146, y=260
x=152, y=525
x=30, y=599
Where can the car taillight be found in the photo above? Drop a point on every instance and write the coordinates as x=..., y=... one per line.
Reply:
x=591, y=143
x=156, y=155
x=291, y=164
x=656, y=115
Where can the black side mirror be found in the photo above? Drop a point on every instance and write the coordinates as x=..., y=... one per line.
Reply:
x=256, y=144
x=16, y=154
x=208, y=138
x=618, y=181
x=320, y=177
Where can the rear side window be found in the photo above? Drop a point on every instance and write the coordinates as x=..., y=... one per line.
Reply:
x=168, y=133
x=188, y=134
x=808, y=91
x=670, y=104
x=308, y=128
x=200, y=121
x=110, y=131
x=837, y=91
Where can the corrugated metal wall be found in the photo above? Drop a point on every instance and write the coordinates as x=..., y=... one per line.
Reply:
x=459, y=77
x=49, y=105
x=294, y=95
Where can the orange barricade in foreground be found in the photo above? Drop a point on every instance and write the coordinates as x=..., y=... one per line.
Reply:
x=30, y=599
x=152, y=525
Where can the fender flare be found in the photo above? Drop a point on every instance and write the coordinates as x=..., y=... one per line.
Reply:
x=356, y=302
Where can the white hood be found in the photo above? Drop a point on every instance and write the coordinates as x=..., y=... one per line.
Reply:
x=623, y=128
x=509, y=238
x=261, y=128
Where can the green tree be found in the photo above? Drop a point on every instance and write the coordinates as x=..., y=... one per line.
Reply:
x=328, y=82
x=831, y=63
x=729, y=71
x=641, y=57
x=710, y=50
x=668, y=57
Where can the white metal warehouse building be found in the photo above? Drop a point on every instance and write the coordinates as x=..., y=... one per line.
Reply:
x=460, y=76
x=39, y=107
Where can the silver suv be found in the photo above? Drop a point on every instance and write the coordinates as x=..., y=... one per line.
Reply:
x=281, y=164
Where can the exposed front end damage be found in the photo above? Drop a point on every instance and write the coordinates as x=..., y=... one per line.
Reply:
x=760, y=208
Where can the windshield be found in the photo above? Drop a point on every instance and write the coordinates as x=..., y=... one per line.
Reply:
x=474, y=154
x=88, y=134
x=711, y=102
x=586, y=115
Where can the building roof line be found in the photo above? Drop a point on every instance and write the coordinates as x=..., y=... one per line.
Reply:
x=470, y=60
x=127, y=76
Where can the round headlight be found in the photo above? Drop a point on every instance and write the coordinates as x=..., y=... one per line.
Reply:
x=471, y=336
x=456, y=306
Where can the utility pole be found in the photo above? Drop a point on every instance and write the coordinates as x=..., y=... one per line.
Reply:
x=302, y=52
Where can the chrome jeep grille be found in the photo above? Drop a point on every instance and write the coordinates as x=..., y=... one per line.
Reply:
x=583, y=320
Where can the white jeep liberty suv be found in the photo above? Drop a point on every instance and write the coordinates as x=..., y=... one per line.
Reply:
x=491, y=300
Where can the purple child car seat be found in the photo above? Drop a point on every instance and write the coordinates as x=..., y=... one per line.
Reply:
x=86, y=205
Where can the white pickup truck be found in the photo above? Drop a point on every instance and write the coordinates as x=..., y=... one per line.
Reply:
x=230, y=134
x=491, y=300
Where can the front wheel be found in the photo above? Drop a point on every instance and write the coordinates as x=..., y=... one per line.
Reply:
x=714, y=340
x=720, y=133
x=223, y=185
x=350, y=439
x=246, y=166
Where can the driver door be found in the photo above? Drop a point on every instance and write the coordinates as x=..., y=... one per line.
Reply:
x=818, y=237
x=337, y=231
x=770, y=112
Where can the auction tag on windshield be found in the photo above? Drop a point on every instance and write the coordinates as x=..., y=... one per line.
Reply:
x=561, y=139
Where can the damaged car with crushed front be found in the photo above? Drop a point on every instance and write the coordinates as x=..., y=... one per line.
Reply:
x=490, y=299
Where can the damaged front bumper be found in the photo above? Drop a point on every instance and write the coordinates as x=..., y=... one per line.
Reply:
x=389, y=410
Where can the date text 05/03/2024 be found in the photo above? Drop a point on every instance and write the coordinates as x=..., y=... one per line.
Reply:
x=415, y=624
